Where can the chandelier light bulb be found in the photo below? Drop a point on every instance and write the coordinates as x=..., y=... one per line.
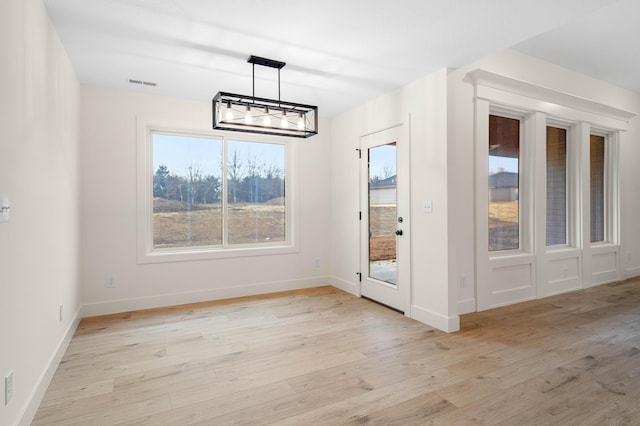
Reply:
x=300, y=122
x=267, y=118
x=247, y=118
x=284, y=123
x=229, y=114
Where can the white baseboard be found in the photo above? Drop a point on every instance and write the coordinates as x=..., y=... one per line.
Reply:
x=344, y=285
x=173, y=299
x=35, y=398
x=466, y=306
x=632, y=272
x=433, y=319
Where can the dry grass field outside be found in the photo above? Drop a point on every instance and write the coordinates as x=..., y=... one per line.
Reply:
x=503, y=225
x=174, y=225
x=503, y=211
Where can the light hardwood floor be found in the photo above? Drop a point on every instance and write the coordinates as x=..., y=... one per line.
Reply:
x=324, y=357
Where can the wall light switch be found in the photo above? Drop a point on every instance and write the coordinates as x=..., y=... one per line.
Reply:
x=4, y=209
x=428, y=206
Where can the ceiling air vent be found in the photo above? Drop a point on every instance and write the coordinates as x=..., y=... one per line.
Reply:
x=144, y=83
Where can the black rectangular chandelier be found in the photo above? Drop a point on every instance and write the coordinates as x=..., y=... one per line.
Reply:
x=250, y=114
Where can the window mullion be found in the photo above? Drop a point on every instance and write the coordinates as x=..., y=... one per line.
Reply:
x=225, y=195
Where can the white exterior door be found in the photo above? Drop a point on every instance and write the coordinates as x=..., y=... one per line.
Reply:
x=384, y=246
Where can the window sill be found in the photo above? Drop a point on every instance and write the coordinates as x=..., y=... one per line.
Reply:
x=189, y=255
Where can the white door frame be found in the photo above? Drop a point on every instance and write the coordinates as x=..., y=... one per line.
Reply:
x=398, y=296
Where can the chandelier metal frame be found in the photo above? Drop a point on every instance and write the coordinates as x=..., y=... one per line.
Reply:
x=251, y=114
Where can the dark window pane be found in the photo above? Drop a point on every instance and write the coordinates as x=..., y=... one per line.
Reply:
x=556, y=186
x=597, y=187
x=504, y=151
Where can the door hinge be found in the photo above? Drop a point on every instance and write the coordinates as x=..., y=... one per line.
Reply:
x=359, y=274
x=360, y=214
x=359, y=152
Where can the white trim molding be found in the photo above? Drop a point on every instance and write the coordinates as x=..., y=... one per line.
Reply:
x=38, y=392
x=546, y=99
x=173, y=299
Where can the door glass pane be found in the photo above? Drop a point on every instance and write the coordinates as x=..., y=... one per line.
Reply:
x=382, y=213
x=597, y=188
x=556, y=186
x=504, y=152
x=187, y=208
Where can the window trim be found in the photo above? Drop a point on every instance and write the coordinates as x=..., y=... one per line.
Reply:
x=525, y=189
x=611, y=188
x=570, y=187
x=144, y=198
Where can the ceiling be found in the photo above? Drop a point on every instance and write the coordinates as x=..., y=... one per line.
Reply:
x=339, y=53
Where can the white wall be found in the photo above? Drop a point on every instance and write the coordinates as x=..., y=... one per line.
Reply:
x=108, y=188
x=425, y=101
x=39, y=246
x=630, y=198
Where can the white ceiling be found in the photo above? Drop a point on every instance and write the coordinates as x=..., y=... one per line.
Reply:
x=339, y=53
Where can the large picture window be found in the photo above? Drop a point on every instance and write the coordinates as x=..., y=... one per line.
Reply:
x=504, y=186
x=216, y=194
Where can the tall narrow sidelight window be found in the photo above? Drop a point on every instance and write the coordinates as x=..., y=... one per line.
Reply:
x=597, y=187
x=504, y=187
x=556, y=186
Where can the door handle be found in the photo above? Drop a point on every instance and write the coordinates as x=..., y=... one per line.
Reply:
x=399, y=232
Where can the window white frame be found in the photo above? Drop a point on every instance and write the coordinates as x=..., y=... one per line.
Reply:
x=525, y=180
x=611, y=173
x=571, y=174
x=144, y=185
x=536, y=270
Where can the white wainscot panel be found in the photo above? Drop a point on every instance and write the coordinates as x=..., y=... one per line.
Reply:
x=563, y=272
x=512, y=280
x=604, y=264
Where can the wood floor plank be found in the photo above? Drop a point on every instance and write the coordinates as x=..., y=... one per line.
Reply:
x=323, y=357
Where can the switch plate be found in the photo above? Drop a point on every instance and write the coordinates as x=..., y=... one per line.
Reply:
x=428, y=206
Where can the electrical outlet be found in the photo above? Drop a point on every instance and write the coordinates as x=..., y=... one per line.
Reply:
x=463, y=281
x=60, y=313
x=8, y=388
x=111, y=282
x=317, y=262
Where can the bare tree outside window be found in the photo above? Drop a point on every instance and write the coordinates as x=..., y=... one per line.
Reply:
x=189, y=183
